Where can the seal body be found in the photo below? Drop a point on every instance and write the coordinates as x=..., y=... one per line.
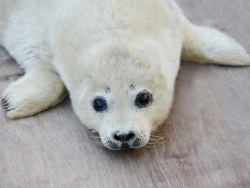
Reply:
x=118, y=60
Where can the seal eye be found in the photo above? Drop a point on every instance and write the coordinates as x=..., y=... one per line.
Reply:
x=143, y=99
x=99, y=104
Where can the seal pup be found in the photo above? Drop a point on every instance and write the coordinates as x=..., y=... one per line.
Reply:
x=117, y=59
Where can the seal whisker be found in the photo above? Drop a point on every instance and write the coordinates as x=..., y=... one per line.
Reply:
x=97, y=143
x=150, y=147
x=156, y=138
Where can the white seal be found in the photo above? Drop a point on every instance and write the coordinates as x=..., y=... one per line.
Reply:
x=118, y=60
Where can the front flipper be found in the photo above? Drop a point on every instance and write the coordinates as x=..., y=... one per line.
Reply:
x=38, y=90
x=208, y=45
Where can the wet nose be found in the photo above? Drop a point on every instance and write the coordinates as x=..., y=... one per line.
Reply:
x=124, y=137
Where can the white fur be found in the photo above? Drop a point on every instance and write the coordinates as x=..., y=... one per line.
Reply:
x=90, y=46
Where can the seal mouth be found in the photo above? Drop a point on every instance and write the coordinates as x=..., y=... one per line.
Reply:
x=115, y=146
x=125, y=145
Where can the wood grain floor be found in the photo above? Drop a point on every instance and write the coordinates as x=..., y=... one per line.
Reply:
x=207, y=136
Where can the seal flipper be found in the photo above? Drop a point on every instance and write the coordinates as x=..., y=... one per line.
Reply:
x=208, y=45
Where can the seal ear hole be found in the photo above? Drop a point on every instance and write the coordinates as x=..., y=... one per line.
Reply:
x=143, y=99
x=132, y=87
x=99, y=104
x=107, y=90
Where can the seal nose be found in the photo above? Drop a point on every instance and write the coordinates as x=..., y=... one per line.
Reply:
x=124, y=137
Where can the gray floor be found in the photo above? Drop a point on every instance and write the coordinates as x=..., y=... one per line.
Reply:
x=207, y=134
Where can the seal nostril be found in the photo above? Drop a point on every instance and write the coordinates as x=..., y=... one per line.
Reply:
x=130, y=135
x=124, y=137
x=117, y=138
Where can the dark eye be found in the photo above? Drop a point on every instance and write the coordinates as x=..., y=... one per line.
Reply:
x=143, y=99
x=99, y=104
